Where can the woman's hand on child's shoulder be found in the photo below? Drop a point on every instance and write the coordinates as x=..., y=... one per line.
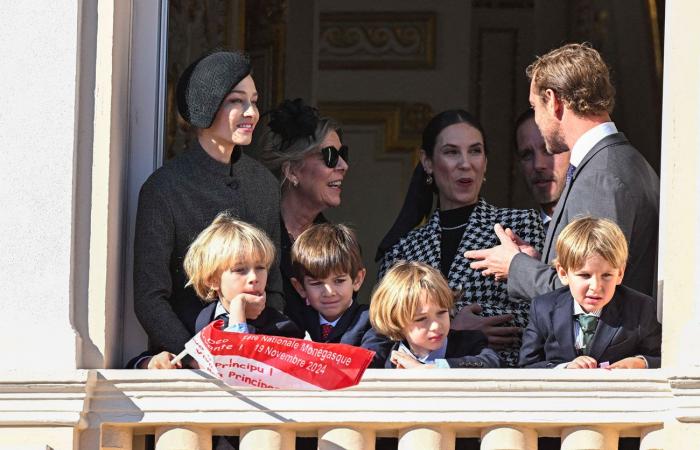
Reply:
x=160, y=361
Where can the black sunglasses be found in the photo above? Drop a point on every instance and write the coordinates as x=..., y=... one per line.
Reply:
x=331, y=154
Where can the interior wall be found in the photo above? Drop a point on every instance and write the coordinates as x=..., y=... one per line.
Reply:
x=374, y=187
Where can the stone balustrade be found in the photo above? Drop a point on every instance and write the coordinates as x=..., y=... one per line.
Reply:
x=505, y=409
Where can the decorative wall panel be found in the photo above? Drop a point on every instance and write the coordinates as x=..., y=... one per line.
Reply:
x=386, y=40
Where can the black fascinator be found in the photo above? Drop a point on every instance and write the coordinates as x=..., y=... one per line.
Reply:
x=293, y=119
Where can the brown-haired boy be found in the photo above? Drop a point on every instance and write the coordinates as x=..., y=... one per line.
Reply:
x=593, y=321
x=328, y=270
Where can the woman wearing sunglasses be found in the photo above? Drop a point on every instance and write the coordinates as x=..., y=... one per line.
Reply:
x=453, y=159
x=305, y=151
x=217, y=96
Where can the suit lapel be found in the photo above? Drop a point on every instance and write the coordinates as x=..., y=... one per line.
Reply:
x=344, y=322
x=562, y=317
x=482, y=218
x=431, y=253
x=608, y=327
x=312, y=323
x=554, y=227
x=205, y=317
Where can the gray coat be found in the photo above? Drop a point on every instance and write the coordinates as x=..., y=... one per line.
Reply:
x=613, y=181
x=176, y=203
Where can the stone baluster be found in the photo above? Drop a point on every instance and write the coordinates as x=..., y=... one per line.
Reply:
x=589, y=438
x=426, y=439
x=267, y=439
x=652, y=438
x=183, y=438
x=333, y=438
x=116, y=438
x=508, y=438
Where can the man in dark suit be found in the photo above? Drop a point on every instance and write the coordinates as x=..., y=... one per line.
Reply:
x=572, y=96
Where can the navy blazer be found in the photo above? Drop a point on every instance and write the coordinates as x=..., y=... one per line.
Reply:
x=465, y=349
x=353, y=328
x=627, y=327
x=270, y=321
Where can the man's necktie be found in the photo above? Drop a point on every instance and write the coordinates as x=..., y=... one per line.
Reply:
x=588, y=325
x=326, y=329
x=570, y=173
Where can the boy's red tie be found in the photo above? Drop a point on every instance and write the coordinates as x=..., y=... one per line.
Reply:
x=326, y=329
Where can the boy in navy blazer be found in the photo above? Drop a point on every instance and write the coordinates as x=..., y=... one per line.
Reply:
x=592, y=321
x=411, y=305
x=227, y=265
x=328, y=269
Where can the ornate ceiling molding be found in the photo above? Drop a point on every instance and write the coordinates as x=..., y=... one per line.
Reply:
x=403, y=122
x=382, y=40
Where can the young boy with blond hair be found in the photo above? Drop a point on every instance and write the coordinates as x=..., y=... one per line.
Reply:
x=411, y=305
x=328, y=272
x=227, y=265
x=593, y=321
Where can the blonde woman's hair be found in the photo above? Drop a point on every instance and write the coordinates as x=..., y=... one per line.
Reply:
x=326, y=249
x=397, y=297
x=589, y=236
x=279, y=154
x=225, y=242
x=578, y=75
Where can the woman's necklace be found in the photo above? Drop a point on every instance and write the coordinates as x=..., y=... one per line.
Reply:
x=455, y=227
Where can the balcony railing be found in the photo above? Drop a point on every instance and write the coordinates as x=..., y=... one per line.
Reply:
x=506, y=409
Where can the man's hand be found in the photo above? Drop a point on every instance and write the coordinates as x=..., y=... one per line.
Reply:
x=583, y=362
x=524, y=247
x=499, y=337
x=405, y=361
x=495, y=261
x=632, y=362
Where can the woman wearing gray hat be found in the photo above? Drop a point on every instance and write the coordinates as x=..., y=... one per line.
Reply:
x=305, y=151
x=217, y=96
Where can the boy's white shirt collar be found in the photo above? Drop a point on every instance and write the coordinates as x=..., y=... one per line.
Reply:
x=430, y=357
x=219, y=309
x=585, y=143
x=322, y=320
x=579, y=310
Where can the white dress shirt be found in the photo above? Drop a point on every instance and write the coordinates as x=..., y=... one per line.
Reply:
x=585, y=143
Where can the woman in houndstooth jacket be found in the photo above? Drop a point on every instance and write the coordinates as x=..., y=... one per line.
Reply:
x=453, y=156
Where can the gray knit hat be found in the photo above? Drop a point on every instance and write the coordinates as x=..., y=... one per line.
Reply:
x=206, y=82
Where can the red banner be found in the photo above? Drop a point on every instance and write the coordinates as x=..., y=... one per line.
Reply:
x=274, y=362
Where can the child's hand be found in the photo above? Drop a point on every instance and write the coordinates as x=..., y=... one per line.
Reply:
x=160, y=361
x=405, y=361
x=629, y=363
x=245, y=306
x=254, y=305
x=583, y=362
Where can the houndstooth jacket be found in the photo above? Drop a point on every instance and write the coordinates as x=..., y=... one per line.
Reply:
x=423, y=244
